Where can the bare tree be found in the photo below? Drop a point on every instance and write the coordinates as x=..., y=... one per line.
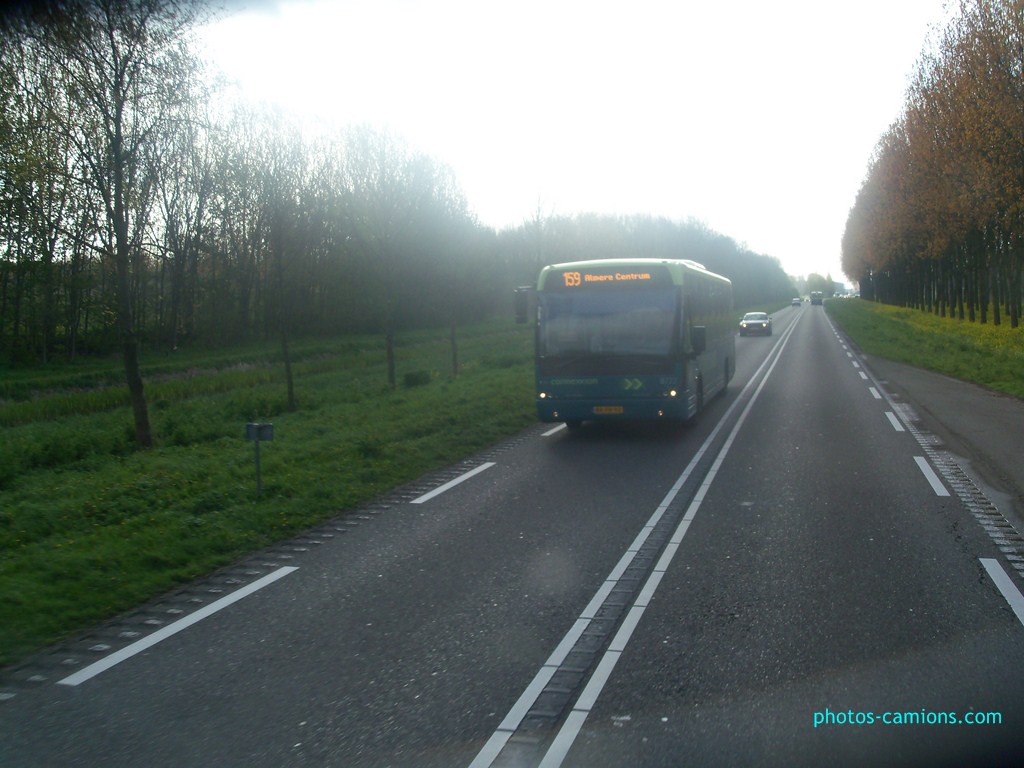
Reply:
x=283, y=182
x=408, y=215
x=125, y=66
x=183, y=167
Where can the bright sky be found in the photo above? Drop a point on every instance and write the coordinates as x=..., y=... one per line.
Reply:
x=757, y=118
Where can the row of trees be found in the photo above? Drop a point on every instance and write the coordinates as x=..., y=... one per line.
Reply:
x=141, y=207
x=939, y=221
x=756, y=278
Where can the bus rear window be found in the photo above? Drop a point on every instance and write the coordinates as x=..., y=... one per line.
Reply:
x=609, y=322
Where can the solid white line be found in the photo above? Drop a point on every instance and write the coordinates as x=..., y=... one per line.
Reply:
x=650, y=587
x=515, y=716
x=1006, y=586
x=621, y=566
x=550, y=432
x=575, y=720
x=565, y=647
x=931, y=477
x=172, y=629
x=894, y=421
x=604, y=668
x=590, y=612
x=521, y=707
x=491, y=749
x=452, y=483
x=669, y=552
x=564, y=740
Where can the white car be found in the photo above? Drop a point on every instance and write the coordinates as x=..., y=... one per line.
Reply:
x=756, y=323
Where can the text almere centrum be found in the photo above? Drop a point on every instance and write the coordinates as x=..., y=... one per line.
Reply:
x=573, y=279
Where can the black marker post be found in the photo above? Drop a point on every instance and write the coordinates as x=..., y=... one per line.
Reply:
x=258, y=433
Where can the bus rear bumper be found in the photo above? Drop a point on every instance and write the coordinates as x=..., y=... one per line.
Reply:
x=633, y=409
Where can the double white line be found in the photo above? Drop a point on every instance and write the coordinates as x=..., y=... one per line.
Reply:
x=581, y=709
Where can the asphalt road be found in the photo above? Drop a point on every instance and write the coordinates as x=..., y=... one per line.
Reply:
x=983, y=429
x=780, y=583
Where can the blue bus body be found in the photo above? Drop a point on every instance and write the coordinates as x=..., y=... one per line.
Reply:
x=636, y=339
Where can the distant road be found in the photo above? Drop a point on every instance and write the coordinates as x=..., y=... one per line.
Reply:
x=792, y=580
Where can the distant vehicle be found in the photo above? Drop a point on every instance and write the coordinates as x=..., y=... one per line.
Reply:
x=631, y=339
x=756, y=323
x=797, y=301
x=816, y=297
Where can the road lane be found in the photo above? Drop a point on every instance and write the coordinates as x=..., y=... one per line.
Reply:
x=515, y=741
x=581, y=710
x=823, y=573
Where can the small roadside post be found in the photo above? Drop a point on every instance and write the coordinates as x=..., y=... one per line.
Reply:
x=257, y=433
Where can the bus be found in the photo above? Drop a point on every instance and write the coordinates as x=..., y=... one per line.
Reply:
x=816, y=297
x=631, y=339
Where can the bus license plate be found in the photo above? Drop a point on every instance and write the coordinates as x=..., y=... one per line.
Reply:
x=604, y=409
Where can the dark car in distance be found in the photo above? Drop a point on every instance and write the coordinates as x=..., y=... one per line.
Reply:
x=756, y=323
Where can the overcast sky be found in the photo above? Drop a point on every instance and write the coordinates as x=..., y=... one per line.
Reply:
x=756, y=118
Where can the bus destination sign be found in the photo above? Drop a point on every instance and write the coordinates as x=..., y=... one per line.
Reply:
x=597, y=277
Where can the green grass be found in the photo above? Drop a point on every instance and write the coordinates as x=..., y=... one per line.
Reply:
x=989, y=355
x=90, y=527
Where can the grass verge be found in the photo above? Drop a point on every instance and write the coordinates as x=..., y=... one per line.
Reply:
x=90, y=527
x=989, y=355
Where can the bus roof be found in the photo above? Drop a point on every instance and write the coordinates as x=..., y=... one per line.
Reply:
x=675, y=268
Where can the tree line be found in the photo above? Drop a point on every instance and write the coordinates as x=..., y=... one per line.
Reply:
x=143, y=208
x=939, y=221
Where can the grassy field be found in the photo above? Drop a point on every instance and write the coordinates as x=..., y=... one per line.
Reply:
x=990, y=355
x=90, y=527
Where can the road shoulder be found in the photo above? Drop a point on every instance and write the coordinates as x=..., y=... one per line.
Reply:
x=984, y=427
